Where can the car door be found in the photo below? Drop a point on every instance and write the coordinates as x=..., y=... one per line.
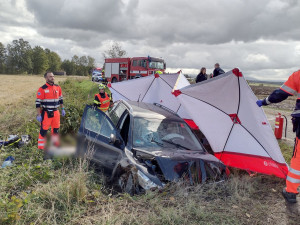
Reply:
x=94, y=137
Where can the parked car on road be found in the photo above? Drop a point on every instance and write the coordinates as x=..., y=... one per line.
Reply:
x=142, y=146
x=97, y=77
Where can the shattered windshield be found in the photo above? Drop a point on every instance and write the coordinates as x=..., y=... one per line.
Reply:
x=155, y=133
x=156, y=65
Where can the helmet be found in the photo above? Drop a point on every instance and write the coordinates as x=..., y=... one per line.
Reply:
x=102, y=86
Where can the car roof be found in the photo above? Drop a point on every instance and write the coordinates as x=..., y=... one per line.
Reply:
x=148, y=110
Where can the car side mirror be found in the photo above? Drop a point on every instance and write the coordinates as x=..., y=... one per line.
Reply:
x=114, y=140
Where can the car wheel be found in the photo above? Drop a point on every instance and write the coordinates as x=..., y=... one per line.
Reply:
x=128, y=183
x=114, y=80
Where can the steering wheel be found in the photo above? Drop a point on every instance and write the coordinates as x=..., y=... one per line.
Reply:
x=173, y=136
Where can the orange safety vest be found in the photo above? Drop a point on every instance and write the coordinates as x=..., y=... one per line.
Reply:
x=292, y=86
x=104, y=102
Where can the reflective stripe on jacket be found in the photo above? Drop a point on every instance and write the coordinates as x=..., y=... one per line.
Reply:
x=292, y=87
x=49, y=96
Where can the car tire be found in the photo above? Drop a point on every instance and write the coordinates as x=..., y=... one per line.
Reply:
x=127, y=183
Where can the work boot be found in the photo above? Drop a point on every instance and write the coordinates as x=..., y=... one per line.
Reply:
x=290, y=197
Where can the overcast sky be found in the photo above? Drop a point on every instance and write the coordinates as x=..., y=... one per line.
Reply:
x=261, y=37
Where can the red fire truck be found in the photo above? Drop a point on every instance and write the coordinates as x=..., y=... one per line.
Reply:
x=118, y=69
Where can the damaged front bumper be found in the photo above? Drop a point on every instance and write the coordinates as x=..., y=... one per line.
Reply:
x=146, y=183
x=191, y=167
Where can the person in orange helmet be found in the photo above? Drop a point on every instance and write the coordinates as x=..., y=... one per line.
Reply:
x=48, y=99
x=289, y=88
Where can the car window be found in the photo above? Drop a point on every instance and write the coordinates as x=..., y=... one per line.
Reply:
x=116, y=114
x=124, y=127
x=153, y=133
x=96, y=122
x=142, y=63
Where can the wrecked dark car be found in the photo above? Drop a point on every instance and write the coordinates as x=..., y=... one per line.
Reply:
x=142, y=146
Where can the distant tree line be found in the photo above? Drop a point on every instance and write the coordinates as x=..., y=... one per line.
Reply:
x=20, y=58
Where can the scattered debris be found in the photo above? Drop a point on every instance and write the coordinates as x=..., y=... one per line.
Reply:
x=8, y=162
x=16, y=140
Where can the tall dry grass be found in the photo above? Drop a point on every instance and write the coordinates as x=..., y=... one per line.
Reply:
x=19, y=88
x=73, y=198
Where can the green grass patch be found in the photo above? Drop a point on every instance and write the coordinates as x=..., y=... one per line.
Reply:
x=77, y=93
x=286, y=150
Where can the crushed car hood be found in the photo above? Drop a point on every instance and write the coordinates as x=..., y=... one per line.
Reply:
x=178, y=154
x=185, y=155
x=176, y=164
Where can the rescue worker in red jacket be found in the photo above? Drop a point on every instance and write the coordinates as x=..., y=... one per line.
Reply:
x=48, y=99
x=102, y=99
x=289, y=88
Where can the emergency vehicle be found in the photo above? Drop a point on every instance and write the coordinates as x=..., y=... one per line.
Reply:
x=118, y=69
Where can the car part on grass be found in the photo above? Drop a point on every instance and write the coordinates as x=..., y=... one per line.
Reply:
x=145, y=182
x=128, y=182
x=190, y=166
x=153, y=171
x=15, y=140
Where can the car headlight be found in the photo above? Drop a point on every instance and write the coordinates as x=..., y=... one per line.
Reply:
x=145, y=182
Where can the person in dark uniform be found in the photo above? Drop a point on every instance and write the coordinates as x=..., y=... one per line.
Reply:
x=202, y=76
x=217, y=71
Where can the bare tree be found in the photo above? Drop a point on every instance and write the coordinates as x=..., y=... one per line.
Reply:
x=114, y=51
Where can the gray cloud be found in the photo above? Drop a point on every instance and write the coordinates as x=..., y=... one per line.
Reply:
x=161, y=22
x=259, y=37
x=103, y=17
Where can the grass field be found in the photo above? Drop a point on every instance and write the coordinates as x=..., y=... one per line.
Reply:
x=17, y=88
x=17, y=100
x=67, y=191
